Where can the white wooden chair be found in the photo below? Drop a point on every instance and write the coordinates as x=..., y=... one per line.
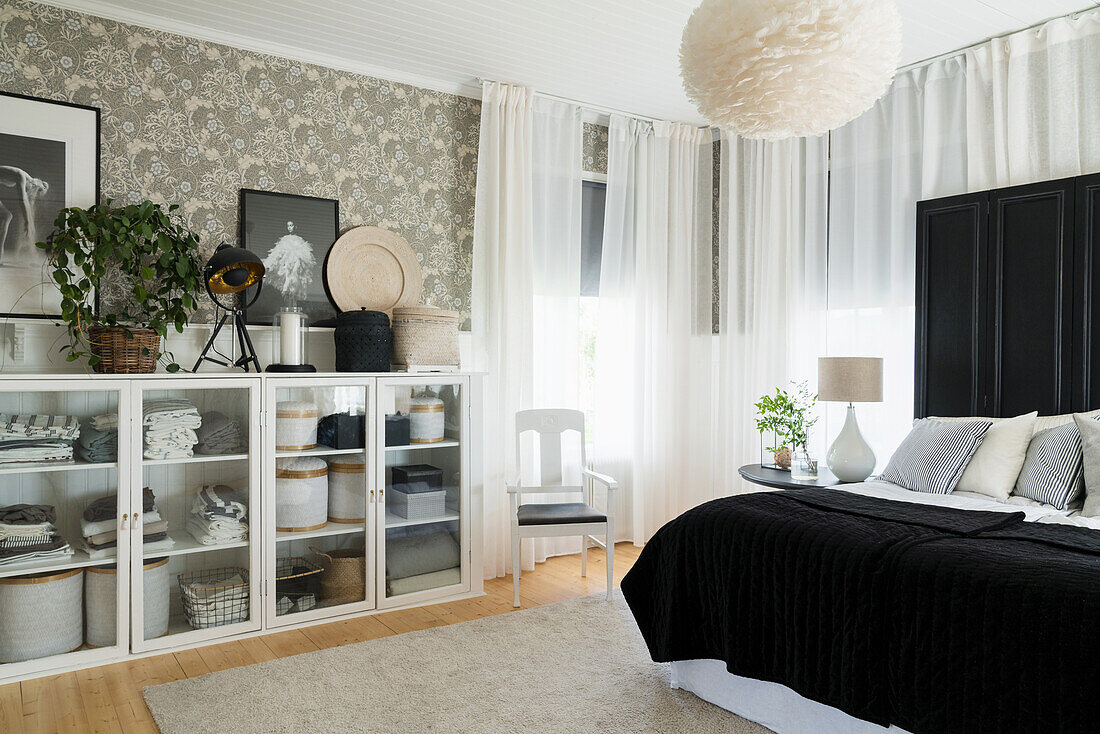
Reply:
x=544, y=520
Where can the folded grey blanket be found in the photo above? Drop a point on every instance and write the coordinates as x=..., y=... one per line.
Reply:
x=97, y=446
x=218, y=434
x=105, y=508
x=27, y=514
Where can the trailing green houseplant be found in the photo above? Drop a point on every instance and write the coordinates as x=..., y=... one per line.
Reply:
x=152, y=254
x=787, y=416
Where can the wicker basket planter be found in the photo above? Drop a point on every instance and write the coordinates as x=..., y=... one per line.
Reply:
x=425, y=337
x=124, y=351
x=41, y=615
x=100, y=603
x=301, y=494
x=344, y=578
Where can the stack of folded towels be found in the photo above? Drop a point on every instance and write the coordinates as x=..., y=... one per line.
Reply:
x=218, y=434
x=219, y=515
x=27, y=533
x=99, y=526
x=37, y=439
x=170, y=429
x=98, y=445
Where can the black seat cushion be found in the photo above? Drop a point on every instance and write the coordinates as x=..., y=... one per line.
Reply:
x=558, y=513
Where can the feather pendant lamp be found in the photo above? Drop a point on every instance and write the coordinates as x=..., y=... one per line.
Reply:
x=775, y=69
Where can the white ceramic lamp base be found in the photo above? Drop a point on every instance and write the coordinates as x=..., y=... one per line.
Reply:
x=850, y=458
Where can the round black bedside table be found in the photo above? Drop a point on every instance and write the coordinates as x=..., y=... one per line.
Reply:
x=779, y=479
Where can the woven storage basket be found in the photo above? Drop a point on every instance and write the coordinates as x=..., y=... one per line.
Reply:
x=425, y=337
x=296, y=425
x=41, y=615
x=347, y=488
x=100, y=602
x=123, y=351
x=344, y=578
x=212, y=598
x=301, y=494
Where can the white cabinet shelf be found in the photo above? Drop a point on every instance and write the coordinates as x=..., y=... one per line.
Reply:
x=331, y=529
x=186, y=544
x=396, y=521
x=79, y=559
x=196, y=459
x=448, y=443
x=25, y=468
x=318, y=451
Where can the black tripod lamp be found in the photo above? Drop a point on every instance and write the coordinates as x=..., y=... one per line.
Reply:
x=231, y=271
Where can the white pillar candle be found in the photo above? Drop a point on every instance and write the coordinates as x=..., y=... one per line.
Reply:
x=290, y=338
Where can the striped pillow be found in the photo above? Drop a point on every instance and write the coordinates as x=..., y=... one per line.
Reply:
x=1054, y=468
x=934, y=454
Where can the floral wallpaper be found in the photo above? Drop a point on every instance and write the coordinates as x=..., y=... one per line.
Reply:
x=190, y=122
x=594, y=148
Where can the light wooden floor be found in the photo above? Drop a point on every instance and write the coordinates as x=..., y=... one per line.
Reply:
x=108, y=698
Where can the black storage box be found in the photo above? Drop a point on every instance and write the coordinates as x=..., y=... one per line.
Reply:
x=414, y=478
x=342, y=431
x=398, y=430
x=363, y=341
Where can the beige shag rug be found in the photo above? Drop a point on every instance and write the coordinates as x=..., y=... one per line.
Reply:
x=576, y=666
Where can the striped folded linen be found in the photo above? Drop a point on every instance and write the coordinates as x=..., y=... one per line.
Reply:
x=934, y=455
x=29, y=425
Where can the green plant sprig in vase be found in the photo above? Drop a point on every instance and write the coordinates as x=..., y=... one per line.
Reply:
x=155, y=258
x=787, y=415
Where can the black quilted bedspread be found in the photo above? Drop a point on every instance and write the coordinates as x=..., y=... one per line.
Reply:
x=934, y=619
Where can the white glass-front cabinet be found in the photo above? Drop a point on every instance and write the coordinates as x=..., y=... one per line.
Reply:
x=196, y=562
x=320, y=498
x=156, y=512
x=423, y=488
x=59, y=481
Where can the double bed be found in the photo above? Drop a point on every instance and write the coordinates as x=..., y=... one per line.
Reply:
x=870, y=608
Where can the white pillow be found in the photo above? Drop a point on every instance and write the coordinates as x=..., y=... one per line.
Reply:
x=1090, y=444
x=1050, y=421
x=996, y=464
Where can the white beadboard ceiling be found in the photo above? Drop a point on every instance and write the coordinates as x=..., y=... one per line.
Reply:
x=620, y=54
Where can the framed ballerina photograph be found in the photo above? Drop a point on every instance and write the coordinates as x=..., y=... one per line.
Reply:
x=49, y=160
x=291, y=234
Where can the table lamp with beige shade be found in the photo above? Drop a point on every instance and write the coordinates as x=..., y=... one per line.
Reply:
x=850, y=380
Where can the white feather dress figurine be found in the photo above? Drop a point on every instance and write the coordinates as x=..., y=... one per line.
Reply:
x=290, y=266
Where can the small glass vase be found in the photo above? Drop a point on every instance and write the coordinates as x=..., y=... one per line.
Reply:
x=774, y=459
x=803, y=465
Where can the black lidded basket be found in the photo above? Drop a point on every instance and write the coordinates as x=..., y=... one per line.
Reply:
x=363, y=341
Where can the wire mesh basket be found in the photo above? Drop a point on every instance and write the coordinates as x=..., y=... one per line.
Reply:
x=297, y=584
x=214, y=597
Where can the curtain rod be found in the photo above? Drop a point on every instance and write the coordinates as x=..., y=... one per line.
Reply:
x=589, y=107
x=960, y=51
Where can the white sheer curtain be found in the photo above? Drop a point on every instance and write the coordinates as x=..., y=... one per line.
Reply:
x=910, y=146
x=653, y=352
x=772, y=250
x=1033, y=104
x=526, y=240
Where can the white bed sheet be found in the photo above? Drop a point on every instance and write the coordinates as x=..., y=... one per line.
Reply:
x=786, y=712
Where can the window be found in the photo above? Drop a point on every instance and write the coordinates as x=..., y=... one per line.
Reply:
x=593, y=195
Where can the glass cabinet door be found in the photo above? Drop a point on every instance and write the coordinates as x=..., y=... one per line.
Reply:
x=62, y=587
x=196, y=554
x=320, y=510
x=423, y=488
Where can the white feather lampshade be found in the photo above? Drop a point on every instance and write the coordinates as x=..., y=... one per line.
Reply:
x=774, y=69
